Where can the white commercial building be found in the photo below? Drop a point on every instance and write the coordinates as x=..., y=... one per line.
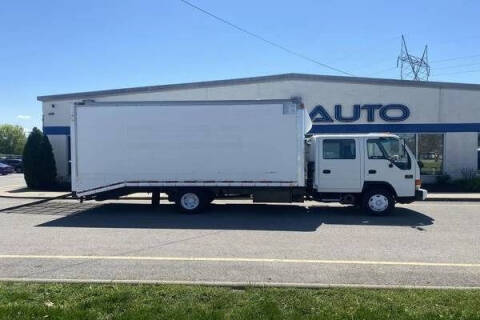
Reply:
x=439, y=121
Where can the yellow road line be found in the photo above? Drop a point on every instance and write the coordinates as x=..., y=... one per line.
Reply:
x=254, y=260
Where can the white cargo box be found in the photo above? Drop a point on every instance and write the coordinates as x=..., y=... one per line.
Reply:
x=187, y=143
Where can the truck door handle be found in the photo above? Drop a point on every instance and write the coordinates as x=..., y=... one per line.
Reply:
x=372, y=171
x=409, y=176
x=326, y=171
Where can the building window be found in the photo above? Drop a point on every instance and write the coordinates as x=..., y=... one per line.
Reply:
x=69, y=155
x=410, y=140
x=430, y=153
x=478, y=152
x=339, y=149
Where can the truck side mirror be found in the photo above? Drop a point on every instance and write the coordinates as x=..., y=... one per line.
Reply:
x=420, y=164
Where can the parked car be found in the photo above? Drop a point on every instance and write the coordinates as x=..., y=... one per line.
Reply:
x=17, y=164
x=6, y=169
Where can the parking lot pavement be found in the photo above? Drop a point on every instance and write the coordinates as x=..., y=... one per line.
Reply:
x=8, y=203
x=422, y=244
x=12, y=181
x=14, y=186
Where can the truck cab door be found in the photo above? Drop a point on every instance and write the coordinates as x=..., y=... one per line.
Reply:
x=338, y=165
x=387, y=160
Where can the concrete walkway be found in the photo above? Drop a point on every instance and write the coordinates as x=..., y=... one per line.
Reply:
x=453, y=197
x=29, y=194
x=13, y=186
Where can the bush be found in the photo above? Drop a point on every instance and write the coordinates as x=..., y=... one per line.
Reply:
x=469, y=185
x=443, y=179
x=468, y=173
x=469, y=182
x=38, y=161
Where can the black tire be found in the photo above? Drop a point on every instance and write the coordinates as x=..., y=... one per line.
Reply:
x=155, y=199
x=378, y=201
x=191, y=200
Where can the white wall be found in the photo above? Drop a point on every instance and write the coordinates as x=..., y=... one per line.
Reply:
x=427, y=105
x=461, y=152
x=58, y=116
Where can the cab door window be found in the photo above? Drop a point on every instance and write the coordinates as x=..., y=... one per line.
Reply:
x=390, y=149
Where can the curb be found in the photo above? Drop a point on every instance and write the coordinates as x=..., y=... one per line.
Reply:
x=239, y=284
x=453, y=199
x=30, y=197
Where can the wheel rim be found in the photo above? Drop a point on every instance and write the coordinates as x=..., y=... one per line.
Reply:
x=378, y=203
x=190, y=201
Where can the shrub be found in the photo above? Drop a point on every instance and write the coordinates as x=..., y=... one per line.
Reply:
x=468, y=173
x=49, y=169
x=38, y=161
x=469, y=185
x=443, y=179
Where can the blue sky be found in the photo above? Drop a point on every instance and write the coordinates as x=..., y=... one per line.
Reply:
x=51, y=47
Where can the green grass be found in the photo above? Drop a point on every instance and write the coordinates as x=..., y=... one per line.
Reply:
x=432, y=166
x=105, y=301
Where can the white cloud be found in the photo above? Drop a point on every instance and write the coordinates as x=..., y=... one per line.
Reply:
x=23, y=117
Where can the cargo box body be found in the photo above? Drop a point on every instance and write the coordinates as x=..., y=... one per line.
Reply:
x=187, y=143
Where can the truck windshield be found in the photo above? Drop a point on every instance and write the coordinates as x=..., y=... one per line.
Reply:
x=391, y=149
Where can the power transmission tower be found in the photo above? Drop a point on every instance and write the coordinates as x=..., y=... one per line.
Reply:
x=412, y=67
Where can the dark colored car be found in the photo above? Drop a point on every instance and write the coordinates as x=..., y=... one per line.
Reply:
x=17, y=164
x=6, y=169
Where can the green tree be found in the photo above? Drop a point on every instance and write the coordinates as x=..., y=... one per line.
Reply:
x=12, y=139
x=38, y=161
x=49, y=169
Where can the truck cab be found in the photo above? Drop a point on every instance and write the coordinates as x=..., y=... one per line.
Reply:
x=370, y=170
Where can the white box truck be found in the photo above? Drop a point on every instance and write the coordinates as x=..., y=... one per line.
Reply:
x=196, y=151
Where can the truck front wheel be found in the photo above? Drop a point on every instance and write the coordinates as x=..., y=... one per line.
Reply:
x=378, y=201
x=191, y=201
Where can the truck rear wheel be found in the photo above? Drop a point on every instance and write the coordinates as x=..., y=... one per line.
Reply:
x=191, y=201
x=378, y=201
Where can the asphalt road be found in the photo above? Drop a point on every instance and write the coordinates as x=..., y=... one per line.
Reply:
x=422, y=244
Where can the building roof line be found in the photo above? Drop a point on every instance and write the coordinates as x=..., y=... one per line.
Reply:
x=259, y=79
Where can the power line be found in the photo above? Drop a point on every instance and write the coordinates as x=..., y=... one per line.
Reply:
x=456, y=58
x=458, y=66
x=444, y=67
x=366, y=44
x=458, y=72
x=382, y=71
x=259, y=37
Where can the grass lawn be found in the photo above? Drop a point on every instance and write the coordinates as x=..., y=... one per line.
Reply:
x=113, y=301
x=432, y=167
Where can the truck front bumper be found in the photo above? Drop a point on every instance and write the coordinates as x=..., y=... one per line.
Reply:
x=421, y=194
